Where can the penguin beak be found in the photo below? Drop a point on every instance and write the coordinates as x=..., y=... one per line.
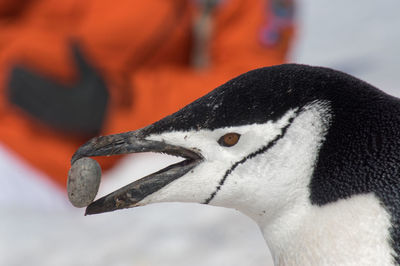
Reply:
x=134, y=142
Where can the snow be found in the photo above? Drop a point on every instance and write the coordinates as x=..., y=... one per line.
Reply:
x=360, y=37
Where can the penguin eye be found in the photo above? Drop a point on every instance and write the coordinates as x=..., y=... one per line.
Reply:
x=228, y=140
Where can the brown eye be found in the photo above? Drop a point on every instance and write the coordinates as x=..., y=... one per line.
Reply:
x=228, y=140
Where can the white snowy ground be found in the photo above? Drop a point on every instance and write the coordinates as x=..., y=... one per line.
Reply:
x=361, y=37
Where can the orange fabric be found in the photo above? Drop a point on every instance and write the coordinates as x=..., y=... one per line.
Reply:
x=142, y=48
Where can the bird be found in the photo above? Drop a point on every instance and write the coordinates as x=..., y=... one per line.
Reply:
x=311, y=154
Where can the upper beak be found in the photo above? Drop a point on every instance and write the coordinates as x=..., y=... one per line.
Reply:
x=133, y=142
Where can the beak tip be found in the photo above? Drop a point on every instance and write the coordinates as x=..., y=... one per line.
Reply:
x=97, y=207
x=86, y=150
x=81, y=152
x=88, y=211
x=75, y=157
x=104, y=204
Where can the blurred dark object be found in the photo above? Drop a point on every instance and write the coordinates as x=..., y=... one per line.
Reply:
x=78, y=109
x=11, y=8
x=202, y=33
x=282, y=13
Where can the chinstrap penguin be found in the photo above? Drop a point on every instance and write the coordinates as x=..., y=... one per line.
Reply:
x=310, y=153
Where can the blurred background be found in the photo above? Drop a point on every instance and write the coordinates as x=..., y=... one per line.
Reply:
x=70, y=70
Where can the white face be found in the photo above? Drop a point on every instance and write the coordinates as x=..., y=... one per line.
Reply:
x=268, y=167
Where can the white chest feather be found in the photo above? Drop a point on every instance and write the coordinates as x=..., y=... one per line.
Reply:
x=352, y=231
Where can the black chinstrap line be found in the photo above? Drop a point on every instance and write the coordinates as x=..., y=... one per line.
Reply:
x=252, y=155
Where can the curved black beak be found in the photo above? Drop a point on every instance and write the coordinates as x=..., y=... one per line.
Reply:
x=134, y=142
x=129, y=142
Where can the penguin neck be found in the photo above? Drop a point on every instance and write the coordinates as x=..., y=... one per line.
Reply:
x=350, y=231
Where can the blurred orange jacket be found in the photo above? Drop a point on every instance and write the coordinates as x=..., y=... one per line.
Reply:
x=143, y=49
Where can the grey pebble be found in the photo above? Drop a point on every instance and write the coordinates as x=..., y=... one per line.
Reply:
x=83, y=182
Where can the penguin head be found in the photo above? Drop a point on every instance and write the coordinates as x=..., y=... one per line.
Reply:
x=252, y=144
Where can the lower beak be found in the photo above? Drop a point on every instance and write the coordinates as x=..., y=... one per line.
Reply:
x=134, y=142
